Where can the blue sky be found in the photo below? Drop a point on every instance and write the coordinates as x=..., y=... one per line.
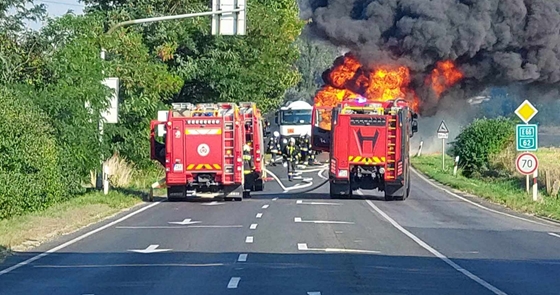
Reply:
x=58, y=8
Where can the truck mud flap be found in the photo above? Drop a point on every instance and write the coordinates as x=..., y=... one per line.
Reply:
x=396, y=191
x=234, y=193
x=340, y=189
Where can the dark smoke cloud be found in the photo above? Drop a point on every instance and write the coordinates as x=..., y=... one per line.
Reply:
x=493, y=42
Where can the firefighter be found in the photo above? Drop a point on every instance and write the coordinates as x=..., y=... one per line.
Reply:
x=304, y=148
x=248, y=164
x=274, y=147
x=291, y=156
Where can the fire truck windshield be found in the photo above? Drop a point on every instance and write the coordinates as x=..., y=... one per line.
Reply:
x=295, y=117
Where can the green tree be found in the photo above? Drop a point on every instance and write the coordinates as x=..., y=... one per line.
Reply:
x=29, y=158
x=315, y=57
x=257, y=67
x=480, y=140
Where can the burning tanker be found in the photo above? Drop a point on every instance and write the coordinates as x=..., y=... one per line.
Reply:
x=349, y=80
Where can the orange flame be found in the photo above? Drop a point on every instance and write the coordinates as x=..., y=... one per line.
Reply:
x=444, y=76
x=347, y=79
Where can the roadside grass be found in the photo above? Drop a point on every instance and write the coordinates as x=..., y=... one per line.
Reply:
x=24, y=232
x=506, y=191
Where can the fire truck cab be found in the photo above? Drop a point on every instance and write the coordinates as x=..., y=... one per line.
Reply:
x=369, y=146
x=202, y=151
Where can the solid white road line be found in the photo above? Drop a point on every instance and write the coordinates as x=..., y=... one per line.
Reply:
x=300, y=202
x=253, y=226
x=436, y=253
x=478, y=205
x=265, y=206
x=60, y=247
x=554, y=235
x=129, y=265
x=259, y=215
x=242, y=257
x=249, y=239
x=303, y=247
x=299, y=220
x=233, y=282
x=178, y=227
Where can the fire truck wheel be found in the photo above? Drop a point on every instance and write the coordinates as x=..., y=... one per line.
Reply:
x=338, y=190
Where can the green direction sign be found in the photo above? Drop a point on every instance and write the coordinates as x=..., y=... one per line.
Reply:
x=526, y=136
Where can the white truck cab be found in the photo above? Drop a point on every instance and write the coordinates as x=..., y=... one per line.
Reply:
x=294, y=119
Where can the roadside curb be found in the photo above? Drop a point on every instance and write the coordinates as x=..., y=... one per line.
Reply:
x=486, y=204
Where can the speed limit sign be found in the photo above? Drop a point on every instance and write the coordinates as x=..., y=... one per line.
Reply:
x=526, y=163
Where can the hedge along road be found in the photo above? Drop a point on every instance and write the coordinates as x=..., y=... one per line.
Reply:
x=432, y=243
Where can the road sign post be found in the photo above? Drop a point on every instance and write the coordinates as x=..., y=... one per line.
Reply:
x=527, y=140
x=527, y=164
x=443, y=133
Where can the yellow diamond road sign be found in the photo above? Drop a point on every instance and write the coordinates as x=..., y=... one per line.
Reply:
x=526, y=111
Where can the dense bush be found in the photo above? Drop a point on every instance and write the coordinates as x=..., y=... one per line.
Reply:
x=480, y=140
x=30, y=174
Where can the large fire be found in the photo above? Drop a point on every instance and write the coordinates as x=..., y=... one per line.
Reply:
x=348, y=80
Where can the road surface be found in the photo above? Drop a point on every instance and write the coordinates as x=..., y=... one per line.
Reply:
x=285, y=242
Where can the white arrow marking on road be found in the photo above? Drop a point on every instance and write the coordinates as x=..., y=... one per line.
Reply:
x=253, y=226
x=303, y=247
x=249, y=240
x=259, y=215
x=151, y=249
x=316, y=203
x=299, y=220
x=214, y=203
x=265, y=206
x=242, y=257
x=233, y=283
x=184, y=222
x=313, y=293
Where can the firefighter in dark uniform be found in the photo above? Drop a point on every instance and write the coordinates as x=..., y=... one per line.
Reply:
x=274, y=147
x=305, y=148
x=291, y=155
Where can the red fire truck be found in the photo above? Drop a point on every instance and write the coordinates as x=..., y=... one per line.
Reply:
x=368, y=144
x=202, y=151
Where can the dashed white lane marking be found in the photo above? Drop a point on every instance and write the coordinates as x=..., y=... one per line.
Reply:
x=275, y=199
x=259, y=215
x=301, y=202
x=233, y=282
x=314, y=293
x=265, y=206
x=478, y=205
x=249, y=240
x=242, y=257
x=303, y=247
x=60, y=247
x=554, y=235
x=299, y=220
x=436, y=253
x=253, y=226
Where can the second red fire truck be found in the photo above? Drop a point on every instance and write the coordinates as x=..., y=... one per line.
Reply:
x=368, y=144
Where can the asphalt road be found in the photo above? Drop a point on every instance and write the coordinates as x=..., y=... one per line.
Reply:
x=288, y=242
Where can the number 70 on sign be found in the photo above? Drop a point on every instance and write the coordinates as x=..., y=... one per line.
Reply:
x=527, y=163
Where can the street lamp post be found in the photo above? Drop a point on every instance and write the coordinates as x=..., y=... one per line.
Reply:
x=231, y=21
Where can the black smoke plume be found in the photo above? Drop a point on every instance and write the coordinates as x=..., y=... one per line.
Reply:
x=493, y=42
